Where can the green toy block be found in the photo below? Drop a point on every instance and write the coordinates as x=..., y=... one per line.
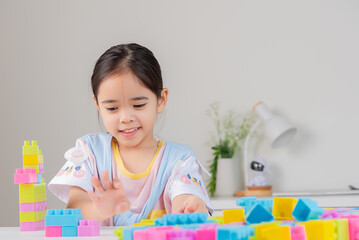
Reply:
x=341, y=228
x=32, y=149
x=32, y=216
x=34, y=192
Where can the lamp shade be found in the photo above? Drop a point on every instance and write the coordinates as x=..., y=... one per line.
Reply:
x=278, y=130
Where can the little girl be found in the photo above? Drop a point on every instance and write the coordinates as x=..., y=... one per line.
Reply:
x=126, y=175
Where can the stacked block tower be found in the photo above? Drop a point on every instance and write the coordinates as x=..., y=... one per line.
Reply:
x=32, y=188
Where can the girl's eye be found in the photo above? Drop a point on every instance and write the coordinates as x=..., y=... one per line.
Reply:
x=112, y=109
x=139, y=105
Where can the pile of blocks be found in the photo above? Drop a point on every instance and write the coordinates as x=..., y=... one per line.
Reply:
x=69, y=223
x=258, y=219
x=32, y=188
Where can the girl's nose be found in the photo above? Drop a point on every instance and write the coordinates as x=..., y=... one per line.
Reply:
x=126, y=115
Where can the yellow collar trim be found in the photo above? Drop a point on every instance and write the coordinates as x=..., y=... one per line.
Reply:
x=124, y=171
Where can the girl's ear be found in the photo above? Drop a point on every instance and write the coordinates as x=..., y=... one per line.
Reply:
x=162, y=101
x=95, y=100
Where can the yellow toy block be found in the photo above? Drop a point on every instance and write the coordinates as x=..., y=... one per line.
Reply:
x=32, y=149
x=275, y=233
x=283, y=208
x=41, y=157
x=320, y=229
x=32, y=192
x=258, y=233
x=233, y=215
x=145, y=222
x=341, y=228
x=31, y=159
x=217, y=219
x=32, y=216
x=34, y=166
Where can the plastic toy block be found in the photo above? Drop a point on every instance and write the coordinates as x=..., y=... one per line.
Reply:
x=34, y=166
x=233, y=215
x=330, y=213
x=41, y=157
x=353, y=223
x=153, y=233
x=31, y=193
x=258, y=214
x=298, y=233
x=249, y=202
x=32, y=207
x=306, y=209
x=53, y=231
x=217, y=219
x=27, y=175
x=341, y=228
x=234, y=233
x=181, y=234
x=283, y=208
x=32, y=216
x=32, y=226
x=31, y=160
x=39, y=178
x=145, y=222
x=88, y=228
x=184, y=218
x=30, y=149
x=206, y=234
x=275, y=233
x=69, y=231
x=32, y=188
x=258, y=228
x=320, y=229
x=41, y=168
x=63, y=217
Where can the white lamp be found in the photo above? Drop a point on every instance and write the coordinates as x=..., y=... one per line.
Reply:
x=277, y=130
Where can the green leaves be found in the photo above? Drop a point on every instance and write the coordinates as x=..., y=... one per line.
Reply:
x=230, y=130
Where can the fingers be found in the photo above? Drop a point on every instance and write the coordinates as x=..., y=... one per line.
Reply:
x=97, y=185
x=117, y=184
x=123, y=207
x=191, y=205
x=106, y=180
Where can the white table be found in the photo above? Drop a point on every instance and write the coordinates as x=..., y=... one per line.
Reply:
x=324, y=199
x=15, y=233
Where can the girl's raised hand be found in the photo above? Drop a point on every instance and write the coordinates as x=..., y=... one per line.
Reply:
x=187, y=203
x=111, y=200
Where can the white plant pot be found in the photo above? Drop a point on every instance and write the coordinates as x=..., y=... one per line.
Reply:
x=225, y=182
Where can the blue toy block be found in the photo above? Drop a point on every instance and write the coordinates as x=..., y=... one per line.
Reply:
x=183, y=218
x=235, y=233
x=258, y=214
x=63, y=217
x=39, y=178
x=306, y=209
x=69, y=231
x=249, y=202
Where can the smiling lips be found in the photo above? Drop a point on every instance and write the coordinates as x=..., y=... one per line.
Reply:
x=129, y=132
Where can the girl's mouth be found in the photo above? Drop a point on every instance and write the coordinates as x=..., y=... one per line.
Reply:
x=129, y=132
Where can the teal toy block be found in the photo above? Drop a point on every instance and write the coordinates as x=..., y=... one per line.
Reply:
x=306, y=209
x=249, y=202
x=235, y=233
x=69, y=231
x=63, y=217
x=30, y=149
x=258, y=214
x=180, y=219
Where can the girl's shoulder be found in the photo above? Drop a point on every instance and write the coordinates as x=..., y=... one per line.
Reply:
x=180, y=147
x=96, y=136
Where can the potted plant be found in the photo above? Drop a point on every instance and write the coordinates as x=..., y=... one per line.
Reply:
x=229, y=131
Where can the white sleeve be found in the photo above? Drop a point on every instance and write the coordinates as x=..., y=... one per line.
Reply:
x=73, y=173
x=186, y=178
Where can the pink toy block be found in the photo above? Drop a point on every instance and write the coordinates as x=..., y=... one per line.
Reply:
x=206, y=234
x=32, y=226
x=353, y=222
x=53, y=231
x=26, y=175
x=33, y=207
x=41, y=168
x=88, y=228
x=181, y=234
x=154, y=233
x=298, y=233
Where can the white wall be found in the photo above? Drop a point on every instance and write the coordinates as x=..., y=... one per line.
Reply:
x=300, y=57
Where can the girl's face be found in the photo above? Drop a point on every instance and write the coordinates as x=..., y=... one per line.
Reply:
x=129, y=109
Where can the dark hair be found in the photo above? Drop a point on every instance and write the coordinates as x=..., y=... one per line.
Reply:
x=137, y=58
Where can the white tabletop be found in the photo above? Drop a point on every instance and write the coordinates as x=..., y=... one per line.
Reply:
x=15, y=233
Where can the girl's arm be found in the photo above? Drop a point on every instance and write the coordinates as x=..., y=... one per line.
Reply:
x=188, y=203
x=105, y=203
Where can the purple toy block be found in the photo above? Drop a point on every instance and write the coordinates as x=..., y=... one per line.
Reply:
x=153, y=233
x=53, y=231
x=181, y=234
x=206, y=234
x=26, y=175
x=88, y=228
x=41, y=168
x=33, y=207
x=32, y=226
